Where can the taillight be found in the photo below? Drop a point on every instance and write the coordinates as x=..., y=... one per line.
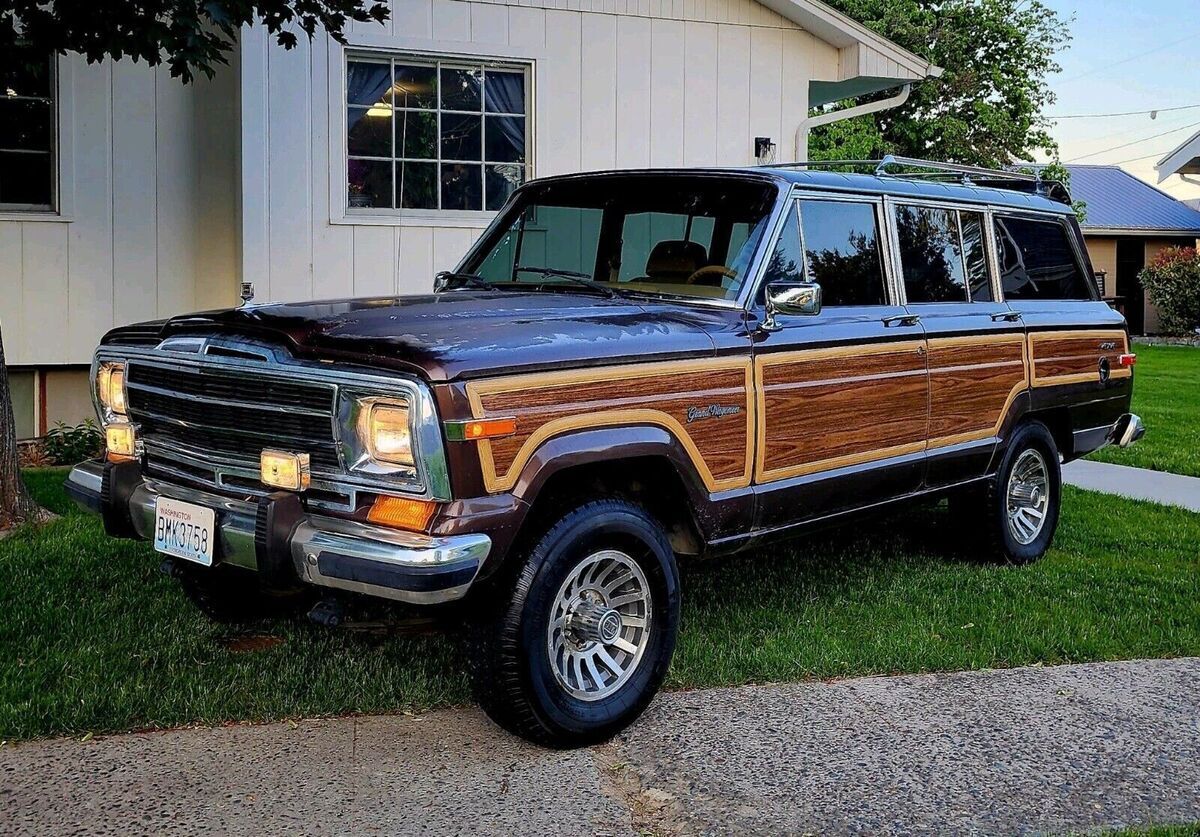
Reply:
x=1127, y=360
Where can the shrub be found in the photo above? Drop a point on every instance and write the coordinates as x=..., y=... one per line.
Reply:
x=70, y=445
x=1173, y=282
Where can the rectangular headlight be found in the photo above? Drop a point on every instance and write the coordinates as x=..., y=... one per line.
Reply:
x=385, y=432
x=110, y=387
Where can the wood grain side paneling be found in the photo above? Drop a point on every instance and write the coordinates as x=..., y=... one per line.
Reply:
x=661, y=394
x=973, y=382
x=1073, y=357
x=830, y=408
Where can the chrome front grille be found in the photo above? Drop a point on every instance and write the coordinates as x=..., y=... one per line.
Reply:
x=232, y=414
x=206, y=406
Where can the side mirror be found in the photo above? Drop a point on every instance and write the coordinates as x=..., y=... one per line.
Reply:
x=791, y=298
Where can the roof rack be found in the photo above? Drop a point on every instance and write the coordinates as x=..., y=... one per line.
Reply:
x=893, y=166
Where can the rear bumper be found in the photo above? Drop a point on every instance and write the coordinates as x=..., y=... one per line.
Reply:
x=277, y=537
x=1127, y=430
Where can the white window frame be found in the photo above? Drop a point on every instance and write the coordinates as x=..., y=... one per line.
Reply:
x=63, y=153
x=340, y=211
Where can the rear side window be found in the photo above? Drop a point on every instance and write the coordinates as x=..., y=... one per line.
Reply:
x=931, y=254
x=841, y=250
x=942, y=255
x=1037, y=261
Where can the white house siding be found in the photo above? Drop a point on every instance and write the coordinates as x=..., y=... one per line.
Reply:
x=616, y=84
x=149, y=182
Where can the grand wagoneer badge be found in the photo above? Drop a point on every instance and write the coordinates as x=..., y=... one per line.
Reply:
x=711, y=411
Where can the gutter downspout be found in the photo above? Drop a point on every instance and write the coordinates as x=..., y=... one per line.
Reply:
x=810, y=122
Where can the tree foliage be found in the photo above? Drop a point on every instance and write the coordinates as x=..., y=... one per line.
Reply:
x=190, y=36
x=988, y=107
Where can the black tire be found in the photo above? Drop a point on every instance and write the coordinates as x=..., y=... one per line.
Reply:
x=232, y=594
x=985, y=511
x=513, y=675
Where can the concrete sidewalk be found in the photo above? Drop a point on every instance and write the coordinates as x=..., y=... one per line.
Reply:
x=1135, y=483
x=1056, y=750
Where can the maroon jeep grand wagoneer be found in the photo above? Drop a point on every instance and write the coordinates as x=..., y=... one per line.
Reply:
x=627, y=370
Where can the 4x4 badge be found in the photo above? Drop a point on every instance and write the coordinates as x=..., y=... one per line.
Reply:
x=711, y=411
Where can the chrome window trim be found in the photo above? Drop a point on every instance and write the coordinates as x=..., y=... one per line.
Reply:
x=893, y=202
x=882, y=230
x=432, y=475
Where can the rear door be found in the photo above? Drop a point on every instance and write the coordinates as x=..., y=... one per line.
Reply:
x=843, y=395
x=976, y=343
x=1075, y=340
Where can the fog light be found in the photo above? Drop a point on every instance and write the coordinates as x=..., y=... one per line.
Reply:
x=120, y=440
x=402, y=512
x=280, y=469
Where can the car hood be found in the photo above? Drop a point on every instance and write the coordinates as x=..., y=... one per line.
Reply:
x=464, y=334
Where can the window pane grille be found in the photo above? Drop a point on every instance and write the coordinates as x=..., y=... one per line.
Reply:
x=432, y=134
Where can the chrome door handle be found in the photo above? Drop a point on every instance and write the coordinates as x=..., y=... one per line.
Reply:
x=1006, y=316
x=901, y=319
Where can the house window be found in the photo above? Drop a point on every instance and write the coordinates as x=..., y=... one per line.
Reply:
x=435, y=135
x=27, y=137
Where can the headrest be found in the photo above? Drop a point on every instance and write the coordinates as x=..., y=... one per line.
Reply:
x=675, y=260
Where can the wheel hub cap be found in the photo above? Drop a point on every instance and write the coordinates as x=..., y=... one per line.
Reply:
x=599, y=625
x=1028, y=497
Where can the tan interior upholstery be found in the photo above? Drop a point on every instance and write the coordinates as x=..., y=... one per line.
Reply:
x=674, y=261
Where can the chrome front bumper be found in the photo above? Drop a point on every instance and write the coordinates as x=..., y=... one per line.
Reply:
x=325, y=551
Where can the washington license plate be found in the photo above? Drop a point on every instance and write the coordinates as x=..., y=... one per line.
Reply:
x=184, y=530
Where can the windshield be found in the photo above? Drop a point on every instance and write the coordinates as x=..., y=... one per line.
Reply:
x=675, y=235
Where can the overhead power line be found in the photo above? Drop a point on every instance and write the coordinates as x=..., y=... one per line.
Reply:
x=1134, y=142
x=1152, y=112
x=1135, y=57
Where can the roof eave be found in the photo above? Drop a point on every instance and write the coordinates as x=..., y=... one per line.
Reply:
x=841, y=31
x=1184, y=159
x=1161, y=232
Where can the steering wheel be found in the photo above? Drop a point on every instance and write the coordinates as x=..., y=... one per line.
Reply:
x=711, y=270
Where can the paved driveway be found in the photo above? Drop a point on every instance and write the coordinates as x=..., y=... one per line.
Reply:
x=1064, y=749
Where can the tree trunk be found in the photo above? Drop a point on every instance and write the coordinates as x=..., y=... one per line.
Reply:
x=16, y=504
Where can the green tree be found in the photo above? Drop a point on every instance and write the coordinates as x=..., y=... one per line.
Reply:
x=987, y=109
x=190, y=36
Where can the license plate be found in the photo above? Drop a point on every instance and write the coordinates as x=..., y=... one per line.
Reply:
x=184, y=530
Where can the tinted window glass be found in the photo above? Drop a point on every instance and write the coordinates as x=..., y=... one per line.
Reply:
x=787, y=260
x=1037, y=261
x=841, y=243
x=931, y=254
x=975, y=256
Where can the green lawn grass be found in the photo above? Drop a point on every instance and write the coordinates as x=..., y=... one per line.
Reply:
x=95, y=639
x=1166, y=394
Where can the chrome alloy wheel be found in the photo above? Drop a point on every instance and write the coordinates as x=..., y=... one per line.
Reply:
x=1028, y=498
x=600, y=625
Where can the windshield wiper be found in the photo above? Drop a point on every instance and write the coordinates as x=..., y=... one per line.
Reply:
x=581, y=278
x=442, y=281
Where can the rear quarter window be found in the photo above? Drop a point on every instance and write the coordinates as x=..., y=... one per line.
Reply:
x=1037, y=261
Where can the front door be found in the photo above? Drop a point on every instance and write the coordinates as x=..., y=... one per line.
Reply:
x=977, y=353
x=843, y=395
x=1131, y=259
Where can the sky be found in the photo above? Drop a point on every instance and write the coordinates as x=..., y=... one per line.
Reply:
x=1129, y=56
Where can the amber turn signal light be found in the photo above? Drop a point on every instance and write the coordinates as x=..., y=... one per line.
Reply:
x=472, y=429
x=402, y=512
x=1127, y=360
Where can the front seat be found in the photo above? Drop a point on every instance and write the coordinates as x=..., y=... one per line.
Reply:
x=672, y=262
